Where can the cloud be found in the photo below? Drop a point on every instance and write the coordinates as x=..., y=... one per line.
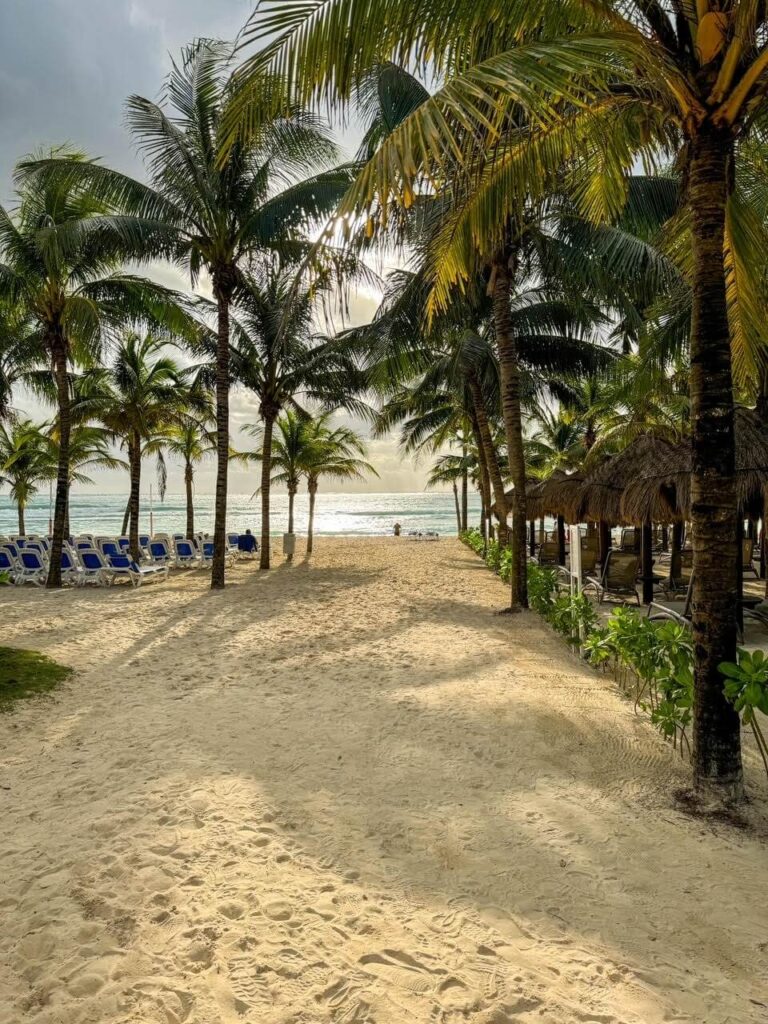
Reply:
x=66, y=69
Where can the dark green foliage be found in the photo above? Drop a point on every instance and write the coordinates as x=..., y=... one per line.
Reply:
x=27, y=674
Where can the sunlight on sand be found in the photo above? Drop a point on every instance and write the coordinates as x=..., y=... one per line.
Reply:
x=347, y=792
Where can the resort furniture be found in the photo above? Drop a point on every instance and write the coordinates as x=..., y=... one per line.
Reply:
x=186, y=555
x=95, y=568
x=110, y=548
x=618, y=578
x=662, y=611
x=206, y=557
x=549, y=553
x=748, y=556
x=159, y=552
x=31, y=569
x=70, y=570
x=124, y=566
x=247, y=544
x=7, y=563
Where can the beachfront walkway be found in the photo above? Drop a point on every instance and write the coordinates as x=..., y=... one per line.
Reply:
x=350, y=793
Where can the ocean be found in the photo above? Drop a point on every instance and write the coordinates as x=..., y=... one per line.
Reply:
x=362, y=515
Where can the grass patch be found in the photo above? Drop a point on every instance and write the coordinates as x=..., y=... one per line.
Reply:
x=27, y=674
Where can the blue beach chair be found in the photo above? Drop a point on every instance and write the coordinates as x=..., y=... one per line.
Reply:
x=31, y=569
x=124, y=566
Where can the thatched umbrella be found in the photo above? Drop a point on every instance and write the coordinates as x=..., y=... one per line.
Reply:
x=663, y=485
x=604, y=489
x=559, y=496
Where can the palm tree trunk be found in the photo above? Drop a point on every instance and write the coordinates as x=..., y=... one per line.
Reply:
x=464, y=491
x=532, y=538
x=59, y=352
x=456, y=503
x=509, y=370
x=483, y=481
x=67, y=528
x=312, y=488
x=716, y=729
x=189, y=476
x=604, y=542
x=126, y=517
x=291, y=497
x=486, y=445
x=134, y=467
x=560, y=540
x=223, y=285
x=647, y=562
x=675, y=562
x=266, y=476
x=20, y=509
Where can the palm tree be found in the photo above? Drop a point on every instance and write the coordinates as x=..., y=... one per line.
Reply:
x=59, y=271
x=89, y=448
x=146, y=392
x=604, y=81
x=24, y=462
x=277, y=355
x=288, y=446
x=451, y=469
x=337, y=453
x=190, y=439
x=213, y=209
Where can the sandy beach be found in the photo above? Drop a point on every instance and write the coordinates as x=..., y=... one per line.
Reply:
x=348, y=792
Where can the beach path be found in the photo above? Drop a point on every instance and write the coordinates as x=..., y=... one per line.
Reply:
x=348, y=792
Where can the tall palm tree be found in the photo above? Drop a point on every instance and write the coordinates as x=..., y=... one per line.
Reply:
x=190, y=439
x=146, y=391
x=277, y=355
x=213, y=209
x=453, y=469
x=59, y=269
x=24, y=462
x=287, y=449
x=336, y=453
x=602, y=82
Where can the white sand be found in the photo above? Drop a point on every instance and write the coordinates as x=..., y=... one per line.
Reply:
x=347, y=792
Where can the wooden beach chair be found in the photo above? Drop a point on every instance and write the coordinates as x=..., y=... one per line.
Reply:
x=618, y=578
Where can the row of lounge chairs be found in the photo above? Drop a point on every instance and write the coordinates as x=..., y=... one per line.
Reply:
x=101, y=561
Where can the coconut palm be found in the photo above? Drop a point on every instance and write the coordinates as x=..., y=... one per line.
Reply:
x=277, y=355
x=213, y=210
x=59, y=271
x=336, y=453
x=191, y=439
x=454, y=469
x=89, y=448
x=288, y=447
x=24, y=461
x=146, y=391
x=602, y=82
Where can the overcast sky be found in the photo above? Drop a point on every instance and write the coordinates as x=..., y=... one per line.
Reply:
x=66, y=68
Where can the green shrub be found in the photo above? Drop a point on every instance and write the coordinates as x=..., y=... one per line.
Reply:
x=746, y=687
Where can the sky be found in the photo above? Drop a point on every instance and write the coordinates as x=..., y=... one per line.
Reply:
x=66, y=68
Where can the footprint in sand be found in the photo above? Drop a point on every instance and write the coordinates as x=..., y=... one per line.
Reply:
x=398, y=968
x=232, y=910
x=278, y=910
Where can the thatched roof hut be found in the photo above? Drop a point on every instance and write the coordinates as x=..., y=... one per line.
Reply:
x=558, y=495
x=603, y=489
x=661, y=491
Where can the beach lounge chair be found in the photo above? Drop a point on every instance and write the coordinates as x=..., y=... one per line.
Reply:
x=124, y=543
x=123, y=566
x=748, y=556
x=70, y=570
x=206, y=557
x=31, y=568
x=186, y=555
x=658, y=611
x=233, y=543
x=549, y=553
x=110, y=548
x=8, y=564
x=618, y=578
x=629, y=539
x=247, y=545
x=160, y=552
x=144, y=540
x=95, y=568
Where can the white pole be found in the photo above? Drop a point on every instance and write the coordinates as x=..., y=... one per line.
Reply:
x=151, y=516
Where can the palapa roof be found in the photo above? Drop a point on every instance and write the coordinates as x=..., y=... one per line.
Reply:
x=662, y=490
x=558, y=495
x=603, y=489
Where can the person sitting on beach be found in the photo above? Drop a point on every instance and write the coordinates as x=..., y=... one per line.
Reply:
x=247, y=542
x=398, y=528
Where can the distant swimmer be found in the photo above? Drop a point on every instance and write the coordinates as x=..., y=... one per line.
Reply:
x=398, y=528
